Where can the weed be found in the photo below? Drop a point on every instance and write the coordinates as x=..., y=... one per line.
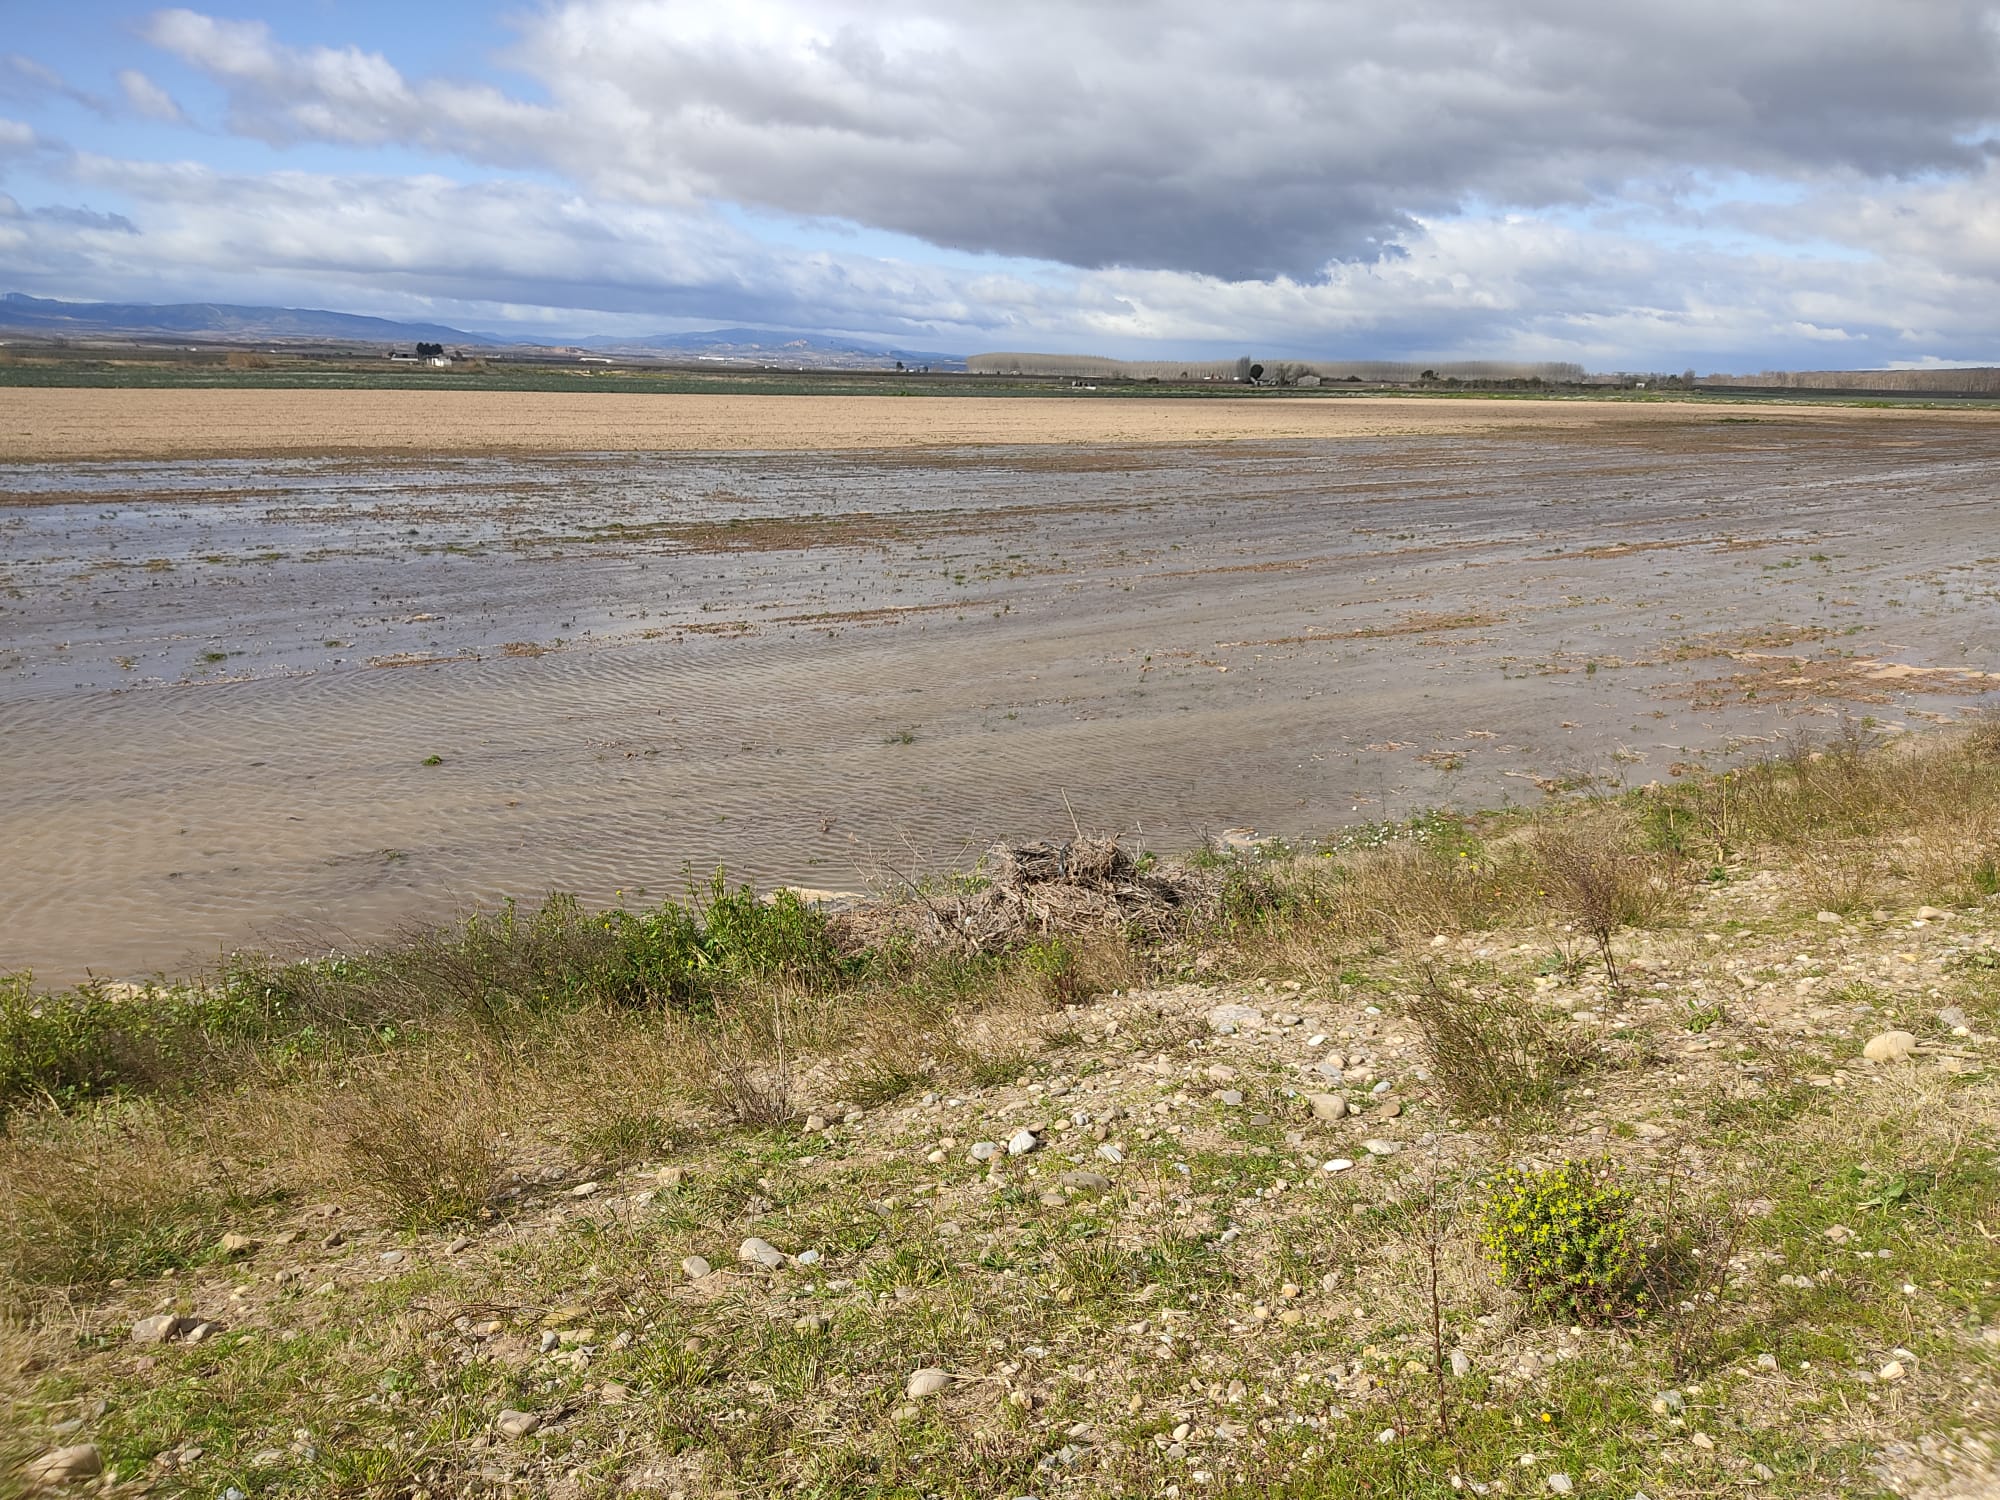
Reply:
x=1701, y=1015
x=1600, y=887
x=417, y=1144
x=1565, y=1238
x=1489, y=1056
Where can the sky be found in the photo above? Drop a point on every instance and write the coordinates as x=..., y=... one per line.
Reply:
x=1721, y=185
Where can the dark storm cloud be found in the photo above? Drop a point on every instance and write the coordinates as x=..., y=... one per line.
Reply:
x=1242, y=141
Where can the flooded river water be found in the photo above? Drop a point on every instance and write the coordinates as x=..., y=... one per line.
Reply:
x=282, y=702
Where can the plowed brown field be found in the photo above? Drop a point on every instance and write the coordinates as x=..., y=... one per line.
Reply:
x=68, y=424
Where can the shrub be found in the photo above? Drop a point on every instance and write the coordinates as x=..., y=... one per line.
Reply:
x=1600, y=887
x=1565, y=1239
x=418, y=1145
x=1489, y=1056
x=53, y=1047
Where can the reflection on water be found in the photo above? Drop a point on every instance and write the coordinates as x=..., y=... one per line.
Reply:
x=220, y=682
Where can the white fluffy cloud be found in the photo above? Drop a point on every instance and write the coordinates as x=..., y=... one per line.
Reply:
x=1729, y=185
x=480, y=253
x=1266, y=142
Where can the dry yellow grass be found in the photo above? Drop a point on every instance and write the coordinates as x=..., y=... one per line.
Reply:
x=59, y=424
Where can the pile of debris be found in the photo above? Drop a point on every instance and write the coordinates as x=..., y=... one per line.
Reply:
x=1047, y=889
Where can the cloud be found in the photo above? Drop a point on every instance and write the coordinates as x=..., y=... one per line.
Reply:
x=1160, y=136
x=147, y=98
x=546, y=258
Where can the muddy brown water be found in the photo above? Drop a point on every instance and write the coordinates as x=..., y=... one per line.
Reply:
x=220, y=680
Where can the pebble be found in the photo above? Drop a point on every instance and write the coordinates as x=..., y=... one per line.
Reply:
x=985, y=1150
x=1893, y=1370
x=756, y=1252
x=1390, y=1109
x=926, y=1382
x=391, y=1257
x=1226, y=1020
x=1338, y=1164
x=160, y=1328
x=1091, y=1182
x=457, y=1246
x=1230, y=1097
x=236, y=1244
x=1111, y=1154
x=695, y=1267
x=1461, y=1363
x=1328, y=1107
x=807, y=1258
x=1022, y=1142
x=516, y=1424
x=1559, y=1484
x=62, y=1466
x=586, y=1190
x=1381, y=1147
x=1889, y=1046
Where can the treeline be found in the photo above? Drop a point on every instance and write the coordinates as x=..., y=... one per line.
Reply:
x=1984, y=380
x=1246, y=370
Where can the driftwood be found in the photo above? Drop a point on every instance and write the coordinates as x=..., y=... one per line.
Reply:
x=1044, y=890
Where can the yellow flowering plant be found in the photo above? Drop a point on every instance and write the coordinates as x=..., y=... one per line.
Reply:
x=1565, y=1238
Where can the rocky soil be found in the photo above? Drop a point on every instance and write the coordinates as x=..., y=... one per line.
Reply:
x=1213, y=1238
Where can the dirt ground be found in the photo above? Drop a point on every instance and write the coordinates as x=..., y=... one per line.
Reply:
x=42, y=425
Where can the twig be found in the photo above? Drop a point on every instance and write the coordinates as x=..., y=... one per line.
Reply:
x=1078, y=827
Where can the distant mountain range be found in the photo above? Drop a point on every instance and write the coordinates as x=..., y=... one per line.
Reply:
x=766, y=346
x=218, y=322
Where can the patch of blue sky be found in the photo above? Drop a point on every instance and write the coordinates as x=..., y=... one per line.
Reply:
x=1729, y=214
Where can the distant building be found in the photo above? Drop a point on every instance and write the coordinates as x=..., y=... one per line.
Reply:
x=1270, y=371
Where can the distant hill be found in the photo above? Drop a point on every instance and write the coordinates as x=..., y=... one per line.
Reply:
x=229, y=323
x=770, y=346
x=216, y=320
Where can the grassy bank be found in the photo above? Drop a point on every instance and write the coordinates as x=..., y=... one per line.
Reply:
x=1258, y=1238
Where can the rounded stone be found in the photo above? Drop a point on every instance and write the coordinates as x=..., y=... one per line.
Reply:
x=1889, y=1046
x=926, y=1382
x=62, y=1466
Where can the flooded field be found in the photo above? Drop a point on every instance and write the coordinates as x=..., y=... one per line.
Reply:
x=297, y=700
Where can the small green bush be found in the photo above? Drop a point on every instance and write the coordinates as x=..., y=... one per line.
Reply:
x=1565, y=1238
x=52, y=1047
